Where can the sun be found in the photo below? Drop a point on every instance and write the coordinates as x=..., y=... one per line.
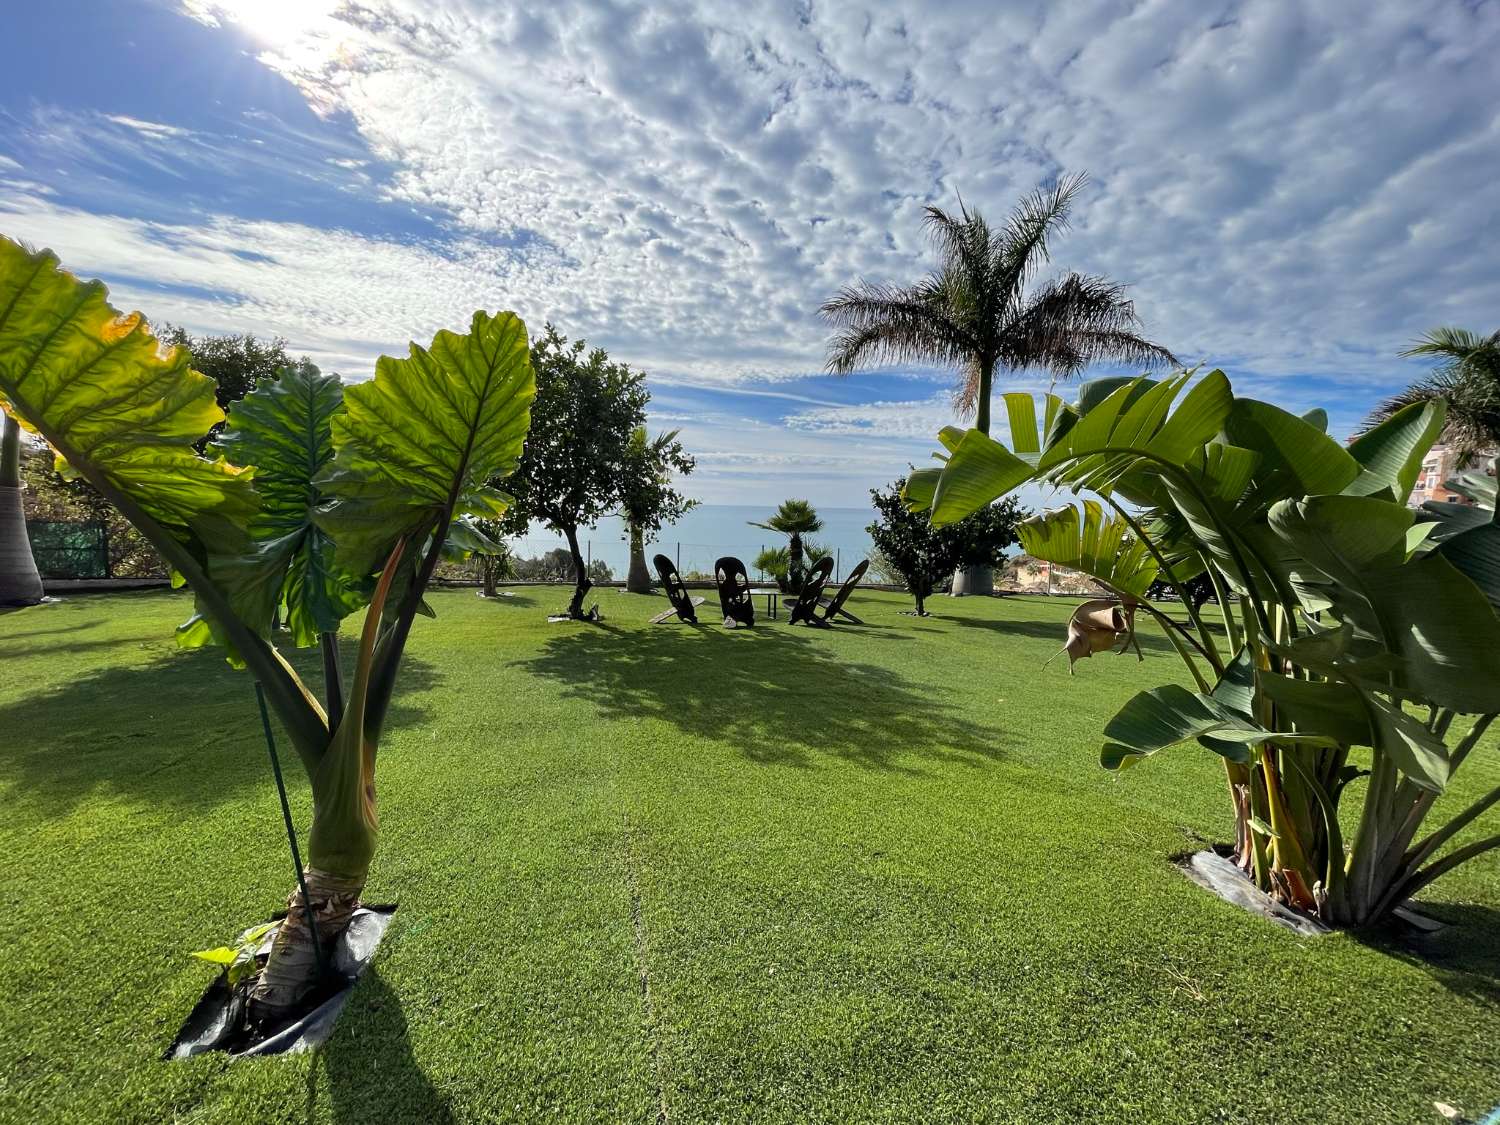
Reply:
x=274, y=23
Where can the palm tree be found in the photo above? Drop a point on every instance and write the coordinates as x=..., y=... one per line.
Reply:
x=975, y=312
x=794, y=519
x=20, y=584
x=1468, y=377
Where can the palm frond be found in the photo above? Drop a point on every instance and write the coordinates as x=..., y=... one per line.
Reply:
x=1021, y=245
x=1076, y=321
x=892, y=324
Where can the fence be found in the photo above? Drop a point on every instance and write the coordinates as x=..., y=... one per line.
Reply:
x=67, y=549
x=693, y=560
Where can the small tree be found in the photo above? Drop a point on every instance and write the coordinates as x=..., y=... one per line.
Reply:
x=923, y=554
x=576, y=457
x=794, y=519
x=647, y=498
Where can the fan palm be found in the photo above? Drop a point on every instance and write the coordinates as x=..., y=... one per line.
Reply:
x=1468, y=378
x=794, y=519
x=975, y=312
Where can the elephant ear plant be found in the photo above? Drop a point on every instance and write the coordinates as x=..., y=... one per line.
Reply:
x=1360, y=652
x=319, y=499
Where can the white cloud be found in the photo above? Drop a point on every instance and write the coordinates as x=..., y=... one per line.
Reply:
x=1288, y=188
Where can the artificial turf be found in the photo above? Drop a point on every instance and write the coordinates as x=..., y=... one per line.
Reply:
x=685, y=874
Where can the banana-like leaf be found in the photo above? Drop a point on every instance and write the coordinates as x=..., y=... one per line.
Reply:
x=1420, y=609
x=1322, y=706
x=1162, y=717
x=415, y=444
x=1414, y=749
x=921, y=486
x=284, y=428
x=1391, y=453
x=1087, y=539
x=112, y=401
x=979, y=472
x=1295, y=458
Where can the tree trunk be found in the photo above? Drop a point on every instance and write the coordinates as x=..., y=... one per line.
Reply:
x=638, y=578
x=291, y=973
x=921, y=599
x=794, y=564
x=973, y=580
x=20, y=583
x=581, y=583
x=487, y=574
x=982, y=407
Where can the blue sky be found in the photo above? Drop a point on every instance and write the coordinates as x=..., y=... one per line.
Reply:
x=1292, y=191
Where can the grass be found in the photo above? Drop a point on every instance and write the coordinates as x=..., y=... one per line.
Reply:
x=645, y=872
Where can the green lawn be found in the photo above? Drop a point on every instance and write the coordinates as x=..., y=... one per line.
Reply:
x=775, y=875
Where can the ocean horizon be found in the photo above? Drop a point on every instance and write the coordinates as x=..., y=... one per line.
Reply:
x=707, y=533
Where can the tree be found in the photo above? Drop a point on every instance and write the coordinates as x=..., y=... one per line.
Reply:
x=1357, y=631
x=571, y=473
x=647, y=498
x=777, y=562
x=794, y=519
x=343, y=497
x=976, y=314
x=922, y=554
x=236, y=363
x=1467, y=378
x=20, y=582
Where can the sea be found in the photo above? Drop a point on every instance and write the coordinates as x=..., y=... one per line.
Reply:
x=709, y=532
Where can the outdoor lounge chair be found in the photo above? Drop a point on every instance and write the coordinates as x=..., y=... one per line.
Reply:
x=834, y=606
x=806, y=605
x=734, y=591
x=1097, y=626
x=683, y=607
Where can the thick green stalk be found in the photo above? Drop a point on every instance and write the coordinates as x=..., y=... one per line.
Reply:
x=1209, y=648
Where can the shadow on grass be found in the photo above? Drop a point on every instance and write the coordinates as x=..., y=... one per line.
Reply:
x=181, y=731
x=372, y=1074
x=777, y=695
x=1464, y=956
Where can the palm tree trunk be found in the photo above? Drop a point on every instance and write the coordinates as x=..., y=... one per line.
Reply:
x=581, y=583
x=20, y=583
x=794, y=564
x=638, y=578
x=487, y=574
x=982, y=409
x=291, y=973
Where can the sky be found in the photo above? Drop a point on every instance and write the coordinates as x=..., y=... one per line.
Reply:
x=1291, y=191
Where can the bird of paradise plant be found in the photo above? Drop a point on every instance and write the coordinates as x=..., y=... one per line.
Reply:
x=1357, y=631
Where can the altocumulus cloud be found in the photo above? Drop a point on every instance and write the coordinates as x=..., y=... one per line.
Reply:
x=1292, y=191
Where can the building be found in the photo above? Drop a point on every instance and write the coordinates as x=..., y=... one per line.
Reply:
x=1440, y=466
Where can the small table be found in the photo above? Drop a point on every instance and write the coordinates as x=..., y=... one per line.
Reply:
x=773, y=599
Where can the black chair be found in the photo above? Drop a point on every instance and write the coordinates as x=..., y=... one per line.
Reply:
x=812, y=589
x=683, y=607
x=835, y=605
x=734, y=591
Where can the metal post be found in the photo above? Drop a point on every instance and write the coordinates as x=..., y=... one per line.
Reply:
x=291, y=834
x=679, y=556
x=838, y=562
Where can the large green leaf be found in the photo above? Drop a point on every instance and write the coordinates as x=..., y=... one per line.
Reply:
x=415, y=443
x=1391, y=454
x=1085, y=538
x=1153, y=720
x=112, y=400
x=1295, y=457
x=284, y=428
x=1420, y=609
x=979, y=472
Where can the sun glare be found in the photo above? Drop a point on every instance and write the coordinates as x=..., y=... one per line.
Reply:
x=275, y=23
